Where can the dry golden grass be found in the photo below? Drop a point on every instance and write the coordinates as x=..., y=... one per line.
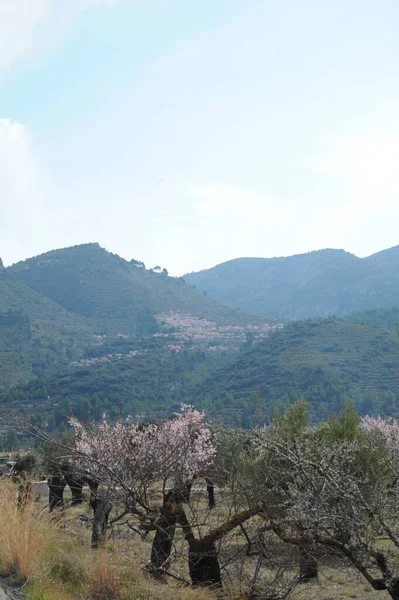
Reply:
x=23, y=536
x=53, y=555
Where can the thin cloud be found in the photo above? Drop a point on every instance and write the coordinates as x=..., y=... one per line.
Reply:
x=29, y=26
x=217, y=201
x=24, y=193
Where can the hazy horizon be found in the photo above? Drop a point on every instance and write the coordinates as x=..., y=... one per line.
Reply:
x=189, y=134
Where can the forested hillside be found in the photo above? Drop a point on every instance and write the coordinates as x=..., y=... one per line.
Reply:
x=47, y=316
x=26, y=354
x=149, y=384
x=317, y=284
x=114, y=295
x=385, y=318
x=82, y=328
x=324, y=361
x=36, y=334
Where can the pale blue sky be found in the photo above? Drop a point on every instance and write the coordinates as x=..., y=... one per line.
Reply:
x=189, y=132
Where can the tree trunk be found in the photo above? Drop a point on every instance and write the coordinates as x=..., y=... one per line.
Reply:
x=210, y=488
x=56, y=492
x=343, y=536
x=203, y=559
x=93, y=485
x=100, y=522
x=163, y=541
x=185, y=491
x=76, y=487
x=307, y=563
x=203, y=564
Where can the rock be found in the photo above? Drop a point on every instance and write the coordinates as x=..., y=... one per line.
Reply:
x=7, y=593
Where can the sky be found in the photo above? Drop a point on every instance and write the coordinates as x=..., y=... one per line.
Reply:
x=185, y=133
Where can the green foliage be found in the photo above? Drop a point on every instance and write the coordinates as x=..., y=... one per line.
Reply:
x=51, y=454
x=342, y=427
x=25, y=352
x=10, y=441
x=25, y=465
x=294, y=420
x=324, y=362
x=385, y=318
x=46, y=317
x=85, y=303
x=36, y=335
x=150, y=385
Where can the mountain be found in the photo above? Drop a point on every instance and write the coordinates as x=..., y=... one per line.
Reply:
x=387, y=260
x=85, y=331
x=46, y=315
x=36, y=334
x=324, y=361
x=83, y=305
x=316, y=284
x=112, y=294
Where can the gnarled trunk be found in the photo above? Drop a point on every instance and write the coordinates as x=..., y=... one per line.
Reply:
x=203, y=564
x=163, y=542
x=101, y=508
x=203, y=558
x=165, y=531
x=76, y=486
x=93, y=485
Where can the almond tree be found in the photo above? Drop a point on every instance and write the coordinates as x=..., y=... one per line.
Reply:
x=124, y=460
x=333, y=494
x=389, y=429
x=129, y=462
x=128, y=458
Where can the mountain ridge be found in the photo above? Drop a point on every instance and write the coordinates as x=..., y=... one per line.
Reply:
x=315, y=284
x=84, y=279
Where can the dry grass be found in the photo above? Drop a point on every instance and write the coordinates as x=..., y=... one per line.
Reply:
x=23, y=536
x=53, y=556
x=337, y=584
